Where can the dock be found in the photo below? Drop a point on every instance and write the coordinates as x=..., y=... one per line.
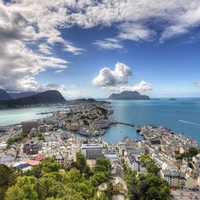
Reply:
x=124, y=123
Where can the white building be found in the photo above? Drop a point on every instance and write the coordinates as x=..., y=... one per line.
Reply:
x=92, y=151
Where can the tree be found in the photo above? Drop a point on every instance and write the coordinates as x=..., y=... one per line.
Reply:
x=50, y=165
x=102, y=165
x=81, y=159
x=26, y=184
x=8, y=178
x=102, y=196
x=145, y=158
x=15, y=193
x=99, y=178
x=87, y=172
x=152, y=168
x=70, y=194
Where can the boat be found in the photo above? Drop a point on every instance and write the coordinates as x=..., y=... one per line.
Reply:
x=138, y=128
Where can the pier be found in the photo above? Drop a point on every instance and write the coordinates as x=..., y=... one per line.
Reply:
x=127, y=124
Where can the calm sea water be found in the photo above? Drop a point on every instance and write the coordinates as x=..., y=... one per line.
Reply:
x=181, y=116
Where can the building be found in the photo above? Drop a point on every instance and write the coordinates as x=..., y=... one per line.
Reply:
x=92, y=151
x=118, y=185
x=32, y=147
x=74, y=127
x=62, y=158
x=43, y=128
x=27, y=126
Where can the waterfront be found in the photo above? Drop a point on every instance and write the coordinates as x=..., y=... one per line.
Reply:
x=182, y=116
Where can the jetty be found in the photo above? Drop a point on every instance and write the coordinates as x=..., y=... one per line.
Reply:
x=124, y=123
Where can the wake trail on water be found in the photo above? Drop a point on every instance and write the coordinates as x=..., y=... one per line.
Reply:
x=187, y=122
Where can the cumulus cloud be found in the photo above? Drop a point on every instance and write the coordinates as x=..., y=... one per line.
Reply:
x=30, y=30
x=116, y=80
x=118, y=76
x=27, y=28
x=141, y=87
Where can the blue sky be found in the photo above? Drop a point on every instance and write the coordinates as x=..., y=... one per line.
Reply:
x=91, y=48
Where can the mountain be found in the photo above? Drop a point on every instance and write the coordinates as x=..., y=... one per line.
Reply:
x=128, y=95
x=48, y=97
x=22, y=94
x=4, y=95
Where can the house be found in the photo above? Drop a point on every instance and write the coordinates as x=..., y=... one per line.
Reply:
x=118, y=185
x=116, y=170
x=62, y=158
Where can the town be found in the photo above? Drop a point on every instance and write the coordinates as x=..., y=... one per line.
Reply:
x=78, y=129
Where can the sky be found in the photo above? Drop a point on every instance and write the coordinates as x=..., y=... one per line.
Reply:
x=91, y=49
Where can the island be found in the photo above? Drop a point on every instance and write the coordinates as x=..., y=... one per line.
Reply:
x=128, y=95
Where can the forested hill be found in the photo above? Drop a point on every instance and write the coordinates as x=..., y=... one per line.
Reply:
x=128, y=95
x=48, y=97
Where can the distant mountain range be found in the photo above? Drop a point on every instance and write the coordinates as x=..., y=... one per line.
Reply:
x=128, y=95
x=21, y=94
x=48, y=97
x=4, y=95
x=8, y=96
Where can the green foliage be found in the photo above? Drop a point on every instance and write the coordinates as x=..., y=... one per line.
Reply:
x=146, y=186
x=145, y=158
x=50, y=165
x=152, y=168
x=7, y=178
x=102, y=165
x=87, y=172
x=15, y=193
x=103, y=196
x=80, y=159
x=24, y=188
x=48, y=182
x=190, y=153
x=99, y=178
x=11, y=140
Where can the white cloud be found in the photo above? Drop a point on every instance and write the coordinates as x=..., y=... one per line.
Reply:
x=116, y=80
x=109, y=44
x=119, y=76
x=58, y=71
x=28, y=27
x=19, y=65
x=135, y=32
x=45, y=48
x=141, y=87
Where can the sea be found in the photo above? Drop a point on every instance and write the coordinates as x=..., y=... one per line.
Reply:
x=181, y=115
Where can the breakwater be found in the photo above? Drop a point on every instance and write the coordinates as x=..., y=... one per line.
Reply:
x=127, y=124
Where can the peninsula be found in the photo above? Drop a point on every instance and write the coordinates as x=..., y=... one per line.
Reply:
x=47, y=97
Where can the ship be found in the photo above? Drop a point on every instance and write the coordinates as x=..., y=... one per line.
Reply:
x=138, y=128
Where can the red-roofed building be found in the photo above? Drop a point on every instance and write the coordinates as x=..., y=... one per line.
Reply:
x=40, y=158
x=31, y=162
